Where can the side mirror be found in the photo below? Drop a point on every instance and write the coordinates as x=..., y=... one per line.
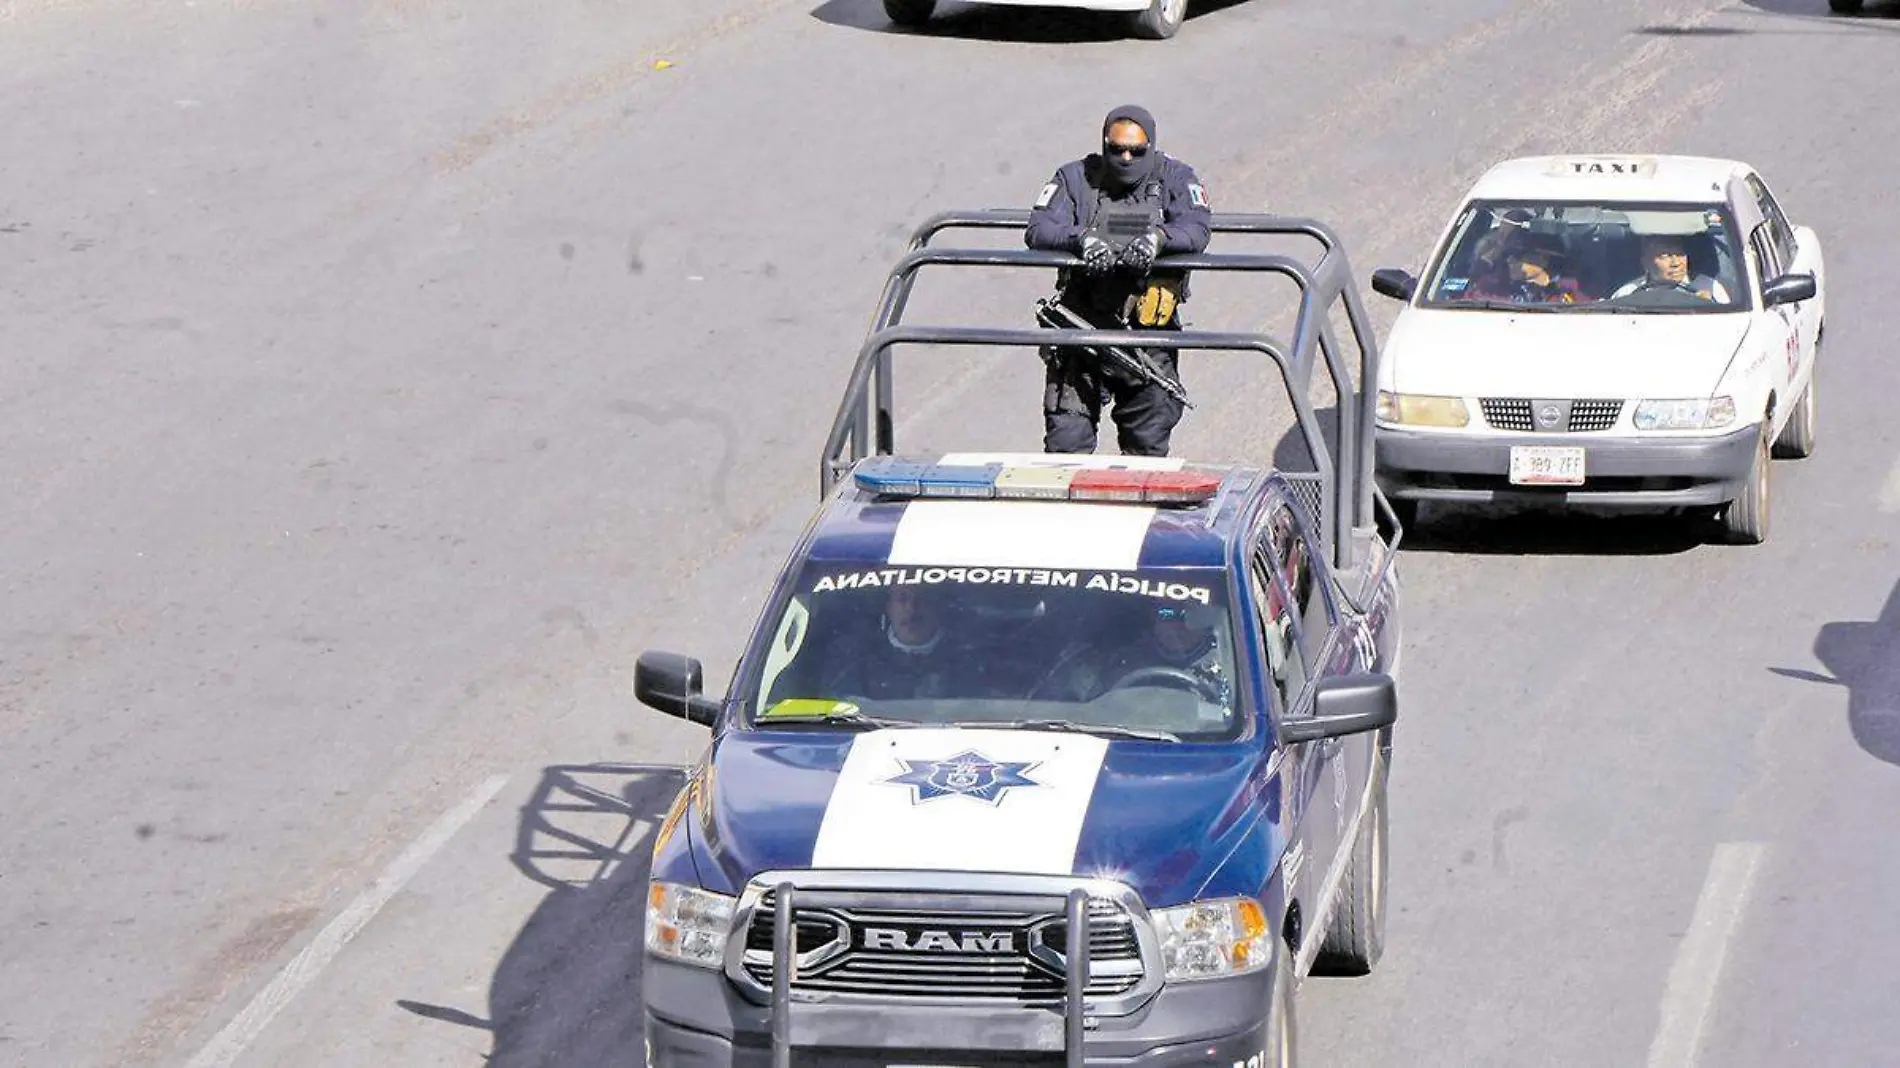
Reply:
x=671, y=683
x=1395, y=283
x=1788, y=289
x=1351, y=704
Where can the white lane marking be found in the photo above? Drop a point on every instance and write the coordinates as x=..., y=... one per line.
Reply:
x=1698, y=965
x=304, y=969
x=1890, y=490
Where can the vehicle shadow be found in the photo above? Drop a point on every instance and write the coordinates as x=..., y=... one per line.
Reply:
x=567, y=990
x=1864, y=656
x=1522, y=530
x=1010, y=25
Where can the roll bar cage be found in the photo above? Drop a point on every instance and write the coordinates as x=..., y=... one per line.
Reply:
x=864, y=424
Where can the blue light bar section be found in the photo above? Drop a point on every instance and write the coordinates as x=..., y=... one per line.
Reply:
x=913, y=478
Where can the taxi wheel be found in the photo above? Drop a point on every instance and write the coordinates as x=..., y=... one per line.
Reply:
x=1797, y=438
x=1843, y=7
x=909, y=12
x=1745, y=520
x=1355, y=938
x=1161, y=20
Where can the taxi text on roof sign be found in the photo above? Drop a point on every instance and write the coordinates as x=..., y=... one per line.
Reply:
x=1644, y=167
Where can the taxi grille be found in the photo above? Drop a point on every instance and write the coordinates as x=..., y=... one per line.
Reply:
x=1514, y=413
x=1586, y=415
x=1007, y=957
x=1506, y=414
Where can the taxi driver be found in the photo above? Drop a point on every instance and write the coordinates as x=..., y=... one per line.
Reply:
x=1666, y=266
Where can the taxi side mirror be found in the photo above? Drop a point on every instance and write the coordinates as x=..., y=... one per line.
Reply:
x=671, y=683
x=1344, y=705
x=1395, y=283
x=1788, y=289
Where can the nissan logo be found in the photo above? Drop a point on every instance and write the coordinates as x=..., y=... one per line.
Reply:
x=1548, y=415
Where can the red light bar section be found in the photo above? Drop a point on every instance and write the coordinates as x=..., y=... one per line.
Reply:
x=1148, y=487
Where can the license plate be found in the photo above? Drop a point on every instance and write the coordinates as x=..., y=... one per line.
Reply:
x=1546, y=465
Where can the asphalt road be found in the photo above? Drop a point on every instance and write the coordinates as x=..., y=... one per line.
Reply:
x=377, y=379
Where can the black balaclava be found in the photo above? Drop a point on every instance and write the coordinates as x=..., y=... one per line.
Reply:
x=1126, y=173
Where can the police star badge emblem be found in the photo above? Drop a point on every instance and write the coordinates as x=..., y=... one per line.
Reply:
x=968, y=774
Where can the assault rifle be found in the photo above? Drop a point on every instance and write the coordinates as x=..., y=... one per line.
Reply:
x=1052, y=313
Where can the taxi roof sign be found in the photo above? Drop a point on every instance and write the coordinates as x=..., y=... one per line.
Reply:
x=1603, y=166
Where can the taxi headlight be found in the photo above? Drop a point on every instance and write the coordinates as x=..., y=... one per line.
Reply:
x=1707, y=413
x=1419, y=410
x=1210, y=939
x=688, y=924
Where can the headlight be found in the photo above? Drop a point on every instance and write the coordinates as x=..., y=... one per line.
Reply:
x=1420, y=410
x=687, y=924
x=1707, y=413
x=1209, y=939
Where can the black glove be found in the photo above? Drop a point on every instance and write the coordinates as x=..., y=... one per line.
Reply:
x=1141, y=252
x=1097, y=256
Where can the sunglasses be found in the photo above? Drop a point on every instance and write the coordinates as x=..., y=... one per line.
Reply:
x=1113, y=149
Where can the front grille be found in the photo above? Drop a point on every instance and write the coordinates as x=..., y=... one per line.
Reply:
x=1588, y=415
x=1505, y=413
x=1514, y=413
x=1008, y=957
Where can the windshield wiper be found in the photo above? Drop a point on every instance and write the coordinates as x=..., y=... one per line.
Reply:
x=1499, y=305
x=1115, y=730
x=828, y=717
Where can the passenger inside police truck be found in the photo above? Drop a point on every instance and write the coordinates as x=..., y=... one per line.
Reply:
x=909, y=656
x=1177, y=644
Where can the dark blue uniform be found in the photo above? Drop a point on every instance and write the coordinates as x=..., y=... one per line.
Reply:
x=1077, y=384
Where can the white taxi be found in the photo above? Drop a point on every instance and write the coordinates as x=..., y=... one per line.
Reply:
x=1629, y=331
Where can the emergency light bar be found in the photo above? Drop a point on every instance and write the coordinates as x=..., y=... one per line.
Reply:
x=997, y=481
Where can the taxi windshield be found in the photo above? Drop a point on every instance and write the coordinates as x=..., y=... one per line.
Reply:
x=1570, y=257
x=1143, y=653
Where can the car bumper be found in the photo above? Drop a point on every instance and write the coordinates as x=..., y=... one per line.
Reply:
x=695, y=1018
x=1649, y=471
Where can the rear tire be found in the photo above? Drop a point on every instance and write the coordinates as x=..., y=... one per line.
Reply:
x=911, y=13
x=1844, y=7
x=1161, y=21
x=1745, y=520
x=1797, y=438
x=1355, y=938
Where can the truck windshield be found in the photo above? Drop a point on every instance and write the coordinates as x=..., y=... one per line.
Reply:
x=1568, y=257
x=1146, y=652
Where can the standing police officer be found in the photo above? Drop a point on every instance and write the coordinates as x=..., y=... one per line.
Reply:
x=1117, y=288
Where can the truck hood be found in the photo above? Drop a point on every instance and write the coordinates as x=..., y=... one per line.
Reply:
x=1559, y=355
x=1158, y=816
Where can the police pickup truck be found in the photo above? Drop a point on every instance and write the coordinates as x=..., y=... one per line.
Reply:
x=1041, y=759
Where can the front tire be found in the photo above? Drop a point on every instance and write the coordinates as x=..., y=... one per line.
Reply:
x=1160, y=21
x=1355, y=938
x=1797, y=438
x=910, y=13
x=1745, y=519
